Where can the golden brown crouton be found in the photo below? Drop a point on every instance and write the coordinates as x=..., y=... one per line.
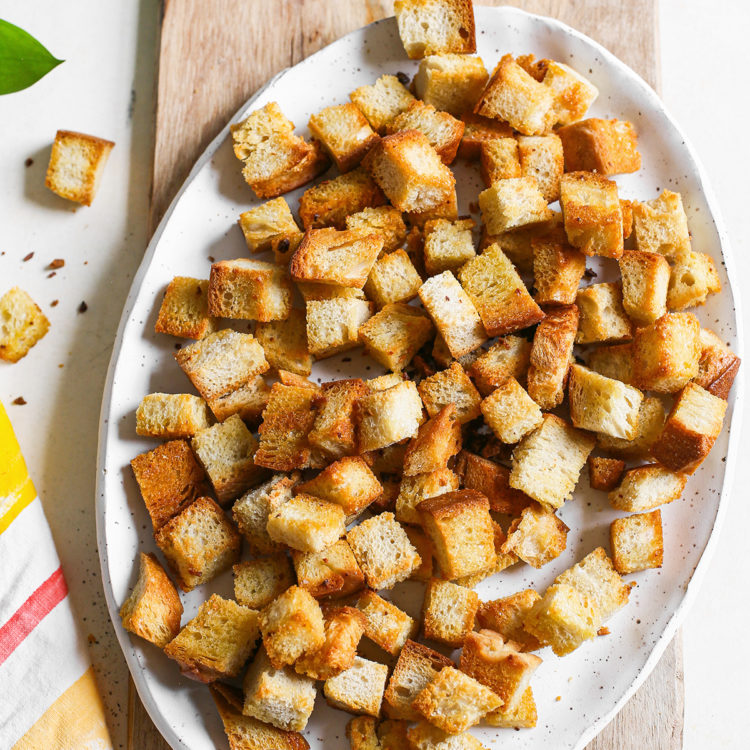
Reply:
x=513, y=203
x=395, y=334
x=393, y=279
x=258, y=582
x=450, y=82
x=505, y=616
x=646, y=487
x=433, y=27
x=307, y=523
x=558, y=270
x=437, y=440
x=604, y=473
x=333, y=324
x=184, y=309
x=425, y=736
x=313, y=162
x=523, y=717
x=414, y=489
x=348, y=482
x=360, y=731
x=661, y=226
x=645, y=279
x=389, y=416
x=637, y=542
x=693, y=278
x=448, y=612
x=447, y=245
x=602, y=315
x=507, y=358
x=448, y=210
x=385, y=624
x=332, y=573
x=421, y=542
x=267, y=223
x=498, y=160
x=358, y=689
x=604, y=146
x=285, y=343
x=541, y=157
x=491, y=479
x=382, y=101
x=718, y=365
x=334, y=431
x=613, y=361
x=386, y=221
x=448, y=386
x=510, y=412
x=478, y=131
x=442, y=130
x=537, y=537
x=22, y=324
x=345, y=134
x=170, y=415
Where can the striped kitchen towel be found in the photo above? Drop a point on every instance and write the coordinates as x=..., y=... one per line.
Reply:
x=48, y=696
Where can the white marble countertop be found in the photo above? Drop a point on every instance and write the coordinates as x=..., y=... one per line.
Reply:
x=106, y=88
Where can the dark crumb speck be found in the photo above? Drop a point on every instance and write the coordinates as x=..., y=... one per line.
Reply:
x=402, y=78
x=51, y=274
x=20, y=401
x=28, y=257
x=54, y=303
x=211, y=258
x=178, y=346
x=589, y=273
x=83, y=307
x=346, y=359
x=28, y=162
x=56, y=263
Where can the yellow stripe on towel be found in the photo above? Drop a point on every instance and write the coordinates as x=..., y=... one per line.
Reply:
x=16, y=488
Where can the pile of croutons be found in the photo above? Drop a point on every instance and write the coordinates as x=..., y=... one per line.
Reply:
x=451, y=467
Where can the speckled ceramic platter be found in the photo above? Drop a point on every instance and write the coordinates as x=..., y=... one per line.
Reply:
x=598, y=678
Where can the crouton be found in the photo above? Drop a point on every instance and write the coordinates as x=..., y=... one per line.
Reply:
x=499, y=665
x=307, y=523
x=279, y=697
x=392, y=734
x=217, y=642
x=386, y=221
x=491, y=479
x=498, y=160
x=442, y=356
x=345, y=134
x=448, y=612
x=331, y=573
x=442, y=130
x=651, y=418
x=360, y=731
x=547, y=463
x=76, y=164
x=436, y=441
x=453, y=313
x=605, y=473
x=382, y=101
x=421, y=542
x=604, y=146
x=383, y=551
x=249, y=290
x=283, y=248
x=510, y=412
x=558, y=270
x=384, y=382
x=170, y=415
x=348, y=482
x=506, y=358
x=523, y=717
x=602, y=315
x=645, y=279
x=266, y=223
x=447, y=245
x=184, y=309
x=334, y=430
x=389, y=416
x=450, y=82
x=505, y=616
x=550, y=357
x=602, y=404
x=393, y=279
x=541, y=157
x=285, y=343
x=344, y=627
x=414, y=489
x=637, y=542
x=693, y=278
x=500, y=562
x=454, y=701
x=258, y=582
x=22, y=324
x=153, y=609
x=479, y=130
x=460, y=527
x=626, y=207
x=410, y=172
x=537, y=537
x=718, y=365
x=358, y=689
x=666, y=354
x=333, y=324
x=425, y=736
x=314, y=162
x=513, y=203
x=395, y=334
x=516, y=243
x=169, y=479
x=448, y=386
x=447, y=210
x=434, y=27
x=513, y=96
x=385, y=624
x=614, y=361
x=661, y=226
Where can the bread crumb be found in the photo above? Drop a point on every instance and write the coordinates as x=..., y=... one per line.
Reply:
x=56, y=263
x=28, y=257
x=20, y=401
x=83, y=307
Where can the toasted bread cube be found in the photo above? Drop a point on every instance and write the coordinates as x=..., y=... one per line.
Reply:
x=258, y=582
x=385, y=623
x=199, y=543
x=358, y=689
x=506, y=358
x=307, y=523
x=386, y=221
x=550, y=357
x=393, y=279
x=348, y=482
x=693, y=278
x=661, y=226
x=414, y=489
x=389, y=416
x=513, y=203
x=460, y=527
x=499, y=665
x=226, y=452
x=383, y=551
x=537, y=537
x=541, y=157
x=395, y=334
x=447, y=245
x=602, y=404
x=563, y=618
x=283, y=248
x=448, y=612
x=605, y=473
x=333, y=324
x=718, y=365
x=510, y=412
x=447, y=210
x=22, y=324
x=217, y=642
x=480, y=130
x=360, y=731
x=499, y=160
x=312, y=163
x=604, y=146
x=421, y=542
x=269, y=222
x=184, y=309
x=666, y=354
x=345, y=134
x=425, y=736
x=333, y=572
x=384, y=382
x=442, y=356
x=558, y=270
x=513, y=96
x=523, y=717
x=285, y=343
x=547, y=463
x=637, y=542
x=491, y=479
x=691, y=429
x=153, y=609
x=450, y=82
x=451, y=386
x=170, y=415
x=602, y=315
x=442, y=130
x=505, y=616
x=416, y=667
x=651, y=418
x=410, y=172
x=392, y=734
x=614, y=361
x=76, y=165
x=334, y=431
x=277, y=696
x=382, y=101
x=437, y=440
x=169, y=479
x=434, y=27
x=454, y=701
x=516, y=243
x=501, y=562
x=645, y=279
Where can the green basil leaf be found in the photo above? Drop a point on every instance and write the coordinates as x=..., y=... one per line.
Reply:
x=23, y=60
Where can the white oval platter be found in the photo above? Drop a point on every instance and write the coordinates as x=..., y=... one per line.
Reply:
x=596, y=680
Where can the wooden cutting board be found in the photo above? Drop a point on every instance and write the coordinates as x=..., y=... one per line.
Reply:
x=214, y=55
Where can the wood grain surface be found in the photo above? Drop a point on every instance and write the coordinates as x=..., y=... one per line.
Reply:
x=214, y=55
